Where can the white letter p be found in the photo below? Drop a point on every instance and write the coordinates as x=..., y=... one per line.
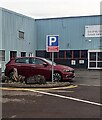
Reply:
x=52, y=40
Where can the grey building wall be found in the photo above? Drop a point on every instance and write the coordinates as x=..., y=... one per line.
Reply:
x=12, y=23
x=71, y=32
x=0, y=28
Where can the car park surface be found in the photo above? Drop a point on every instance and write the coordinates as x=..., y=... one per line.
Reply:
x=27, y=104
x=82, y=101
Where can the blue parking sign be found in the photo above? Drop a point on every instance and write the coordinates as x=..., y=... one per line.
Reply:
x=52, y=40
x=52, y=43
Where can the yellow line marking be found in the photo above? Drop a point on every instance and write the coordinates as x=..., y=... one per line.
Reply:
x=8, y=88
x=57, y=88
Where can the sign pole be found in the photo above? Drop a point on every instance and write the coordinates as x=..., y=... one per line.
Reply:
x=52, y=46
x=0, y=74
x=52, y=65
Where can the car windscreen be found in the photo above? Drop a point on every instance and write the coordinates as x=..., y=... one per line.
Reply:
x=49, y=61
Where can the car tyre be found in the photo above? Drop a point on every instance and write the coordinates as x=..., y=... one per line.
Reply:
x=11, y=76
x=57, y=77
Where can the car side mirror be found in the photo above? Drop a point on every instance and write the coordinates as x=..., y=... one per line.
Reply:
x=45, y=64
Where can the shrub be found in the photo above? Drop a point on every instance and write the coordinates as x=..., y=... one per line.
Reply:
x=37, y=79
x=4, y=78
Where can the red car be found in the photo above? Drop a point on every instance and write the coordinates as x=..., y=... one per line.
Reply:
x=30, y=66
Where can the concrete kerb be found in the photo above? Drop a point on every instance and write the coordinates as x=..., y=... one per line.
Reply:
x=47, y=85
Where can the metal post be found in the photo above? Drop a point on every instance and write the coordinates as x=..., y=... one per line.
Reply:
x=0, y=75
x=0, y=92
x=52, y=65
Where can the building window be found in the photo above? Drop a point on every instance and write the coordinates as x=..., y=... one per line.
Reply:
x=21, y=34
x=93, y=56
x=68, y=54
x=23, y=54
x=2, y=55
x=99, y=56
x=95, y=59
x=47, y=54
x=40, y=53
x=83, y=54
x=13, y=54
x=55, y=55
x=61, y=54
x=92, y=64
x=77, y=54
x=99, y=64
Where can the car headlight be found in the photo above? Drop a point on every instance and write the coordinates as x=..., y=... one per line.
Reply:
x=66, y=70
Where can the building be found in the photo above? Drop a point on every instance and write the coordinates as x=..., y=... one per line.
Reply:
x=80, y=42
x=17, y=36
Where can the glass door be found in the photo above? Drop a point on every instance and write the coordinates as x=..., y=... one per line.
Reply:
x=94, y=59
x=99, y=60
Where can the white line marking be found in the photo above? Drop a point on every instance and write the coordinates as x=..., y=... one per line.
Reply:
x=90, y=85
x=65, y=97
x=61, y=96
x=13, y=116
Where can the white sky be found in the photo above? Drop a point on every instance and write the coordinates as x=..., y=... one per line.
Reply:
x=53, y=8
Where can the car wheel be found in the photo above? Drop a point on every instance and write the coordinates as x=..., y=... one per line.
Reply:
x=26, y=80
x=11, y=75
x=57, y=77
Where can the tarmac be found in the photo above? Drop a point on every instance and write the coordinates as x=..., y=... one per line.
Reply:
x=86, y=73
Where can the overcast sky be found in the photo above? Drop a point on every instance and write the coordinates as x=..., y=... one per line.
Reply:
x=53, y=8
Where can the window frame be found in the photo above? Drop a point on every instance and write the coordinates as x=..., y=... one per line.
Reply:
x=23, y=54
x=21, y=34
x=13, y=54
x=2, y=55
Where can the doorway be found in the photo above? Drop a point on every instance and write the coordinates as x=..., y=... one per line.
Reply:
x=94, y=59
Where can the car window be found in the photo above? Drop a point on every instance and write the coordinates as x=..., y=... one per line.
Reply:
x=49, y=61
x=32, y=60
x=38, y=61
x=35, y=61
x=22, y=60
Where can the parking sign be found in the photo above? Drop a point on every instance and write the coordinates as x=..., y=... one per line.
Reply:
x=52, y=43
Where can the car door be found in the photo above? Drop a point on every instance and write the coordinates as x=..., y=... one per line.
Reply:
x=23, y=66
x=32, y=66
x=41, y=69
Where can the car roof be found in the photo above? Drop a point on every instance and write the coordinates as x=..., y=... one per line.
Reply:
x=28, y=57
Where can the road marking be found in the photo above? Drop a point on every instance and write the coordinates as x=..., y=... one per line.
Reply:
x=55, y=88
x=61, y=91
x=12, y=89
x=55, y=95
x=90, y=85
x=66, y=97
x=22, y=89
x=13, y=116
